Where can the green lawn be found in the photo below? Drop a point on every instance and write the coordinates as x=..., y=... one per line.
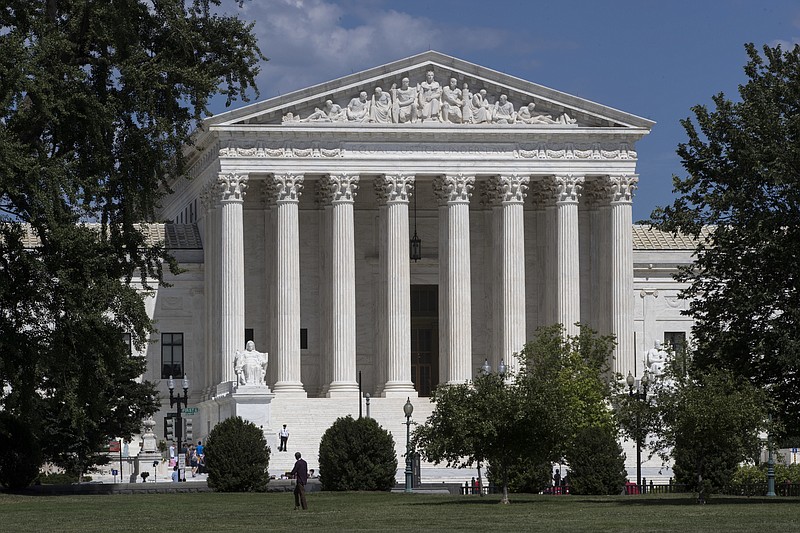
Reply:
x=211, y=512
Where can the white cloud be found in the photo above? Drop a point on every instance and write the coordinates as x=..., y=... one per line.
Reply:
x=312, y=41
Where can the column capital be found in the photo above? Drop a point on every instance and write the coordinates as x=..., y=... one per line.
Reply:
x=508, y=189
x=394, y=188
x=339, y=188
x=231, y=186
x=620, y=188
x=568, y=187
x=288, y=187
x=208, y=198
x=454, y=188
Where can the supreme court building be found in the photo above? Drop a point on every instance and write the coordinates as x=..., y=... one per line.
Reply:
x=295, y=232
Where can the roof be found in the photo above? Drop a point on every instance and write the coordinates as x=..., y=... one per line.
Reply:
x=646, y=237
x=175, y=236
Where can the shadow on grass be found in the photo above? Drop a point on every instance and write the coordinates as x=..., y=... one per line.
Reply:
x=625, y=501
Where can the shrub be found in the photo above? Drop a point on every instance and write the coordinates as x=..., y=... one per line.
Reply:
x=59, y=478
x=20, y=457
x=596, y=462
x=237, y=457
x=357, y=455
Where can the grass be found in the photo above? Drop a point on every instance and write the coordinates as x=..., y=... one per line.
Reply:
x=213, y=512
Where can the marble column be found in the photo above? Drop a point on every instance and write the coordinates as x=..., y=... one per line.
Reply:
x=288, y=188
x=511, y=192
x=456, y=190
x=211, y=367
x=568, y=189
x=394, y=191
x=232, y=190
x=621, y=189
x=342, y=191
x=444, y=353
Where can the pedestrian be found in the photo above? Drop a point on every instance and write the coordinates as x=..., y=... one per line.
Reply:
x=300, y=475
x=173, y=456
x=176, y=476
x=284, y=435
x=557, y=478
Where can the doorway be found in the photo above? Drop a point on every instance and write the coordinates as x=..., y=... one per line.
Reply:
x=425, y=338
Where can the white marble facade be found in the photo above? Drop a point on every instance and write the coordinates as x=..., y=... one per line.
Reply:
x=520, y=194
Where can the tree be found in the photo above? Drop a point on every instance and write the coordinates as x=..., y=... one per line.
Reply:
x=97, y=101
x=237, y=457
x=708, y=423
x=597, y=464
x=531, y=418
x=357, y=455
x=743, y=183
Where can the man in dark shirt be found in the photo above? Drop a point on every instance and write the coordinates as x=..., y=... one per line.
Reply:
x=300, y=475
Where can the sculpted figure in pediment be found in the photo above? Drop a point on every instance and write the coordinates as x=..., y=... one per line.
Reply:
x=503, y=112
x=358, y=108
x=526, y=115
x=452, y=103
x=404, y=103
x=481, y=108
x=381, y=107
x=467, y=115
x=430, y=94
x=330, y=112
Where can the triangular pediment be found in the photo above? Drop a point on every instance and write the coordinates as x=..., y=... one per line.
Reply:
x=326, y=104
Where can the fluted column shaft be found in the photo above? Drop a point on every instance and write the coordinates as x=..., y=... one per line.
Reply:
x=512, y=189
x=395, y=191
x=457, y=190
x=209, y=199
x=568, y=297
x=342, y=190
x=232, y=190
x=621, y=191
x=288, y=188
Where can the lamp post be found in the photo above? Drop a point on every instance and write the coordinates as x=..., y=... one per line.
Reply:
x=181, y=401
x=641, y=396
x=408, y=409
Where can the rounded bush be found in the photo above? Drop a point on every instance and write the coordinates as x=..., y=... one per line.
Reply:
x=357, y=455
x=20, y=458
x=596, y=463
x=237, y=457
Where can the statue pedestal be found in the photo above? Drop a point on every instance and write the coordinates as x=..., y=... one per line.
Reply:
x=251, y=402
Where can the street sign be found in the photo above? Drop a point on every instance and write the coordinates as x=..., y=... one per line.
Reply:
x=190, y=410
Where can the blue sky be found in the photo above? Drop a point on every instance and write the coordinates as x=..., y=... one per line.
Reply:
x=652, y=58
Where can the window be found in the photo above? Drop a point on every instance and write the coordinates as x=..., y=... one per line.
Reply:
x=248, y=335
x=304, y=338
x=172, y=355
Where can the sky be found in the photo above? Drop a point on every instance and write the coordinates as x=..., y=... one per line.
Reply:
x=652, y=58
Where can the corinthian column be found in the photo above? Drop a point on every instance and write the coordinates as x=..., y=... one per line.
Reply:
x=394, y=191
x=568, y=189
x=209, y=198
x=621, y=189
x=455, y=190
x=232, y=190
x=510, y=193
x=287, y=285
x=341, y=190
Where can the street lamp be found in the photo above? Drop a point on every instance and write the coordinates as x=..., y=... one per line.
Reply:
x=180, y=401
x=408, y=409
x=770, y=462
x=641, y=396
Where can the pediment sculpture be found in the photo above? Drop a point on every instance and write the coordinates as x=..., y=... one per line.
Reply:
x=428, y=102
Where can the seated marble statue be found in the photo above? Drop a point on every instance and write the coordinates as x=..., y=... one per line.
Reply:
x=656, y=359
x=452, y=103
x=381, y=107
x=250, y=365
x=481, y=108
x=404, y=103
x=503, y=112
x=430, y=94
x=358, y=108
